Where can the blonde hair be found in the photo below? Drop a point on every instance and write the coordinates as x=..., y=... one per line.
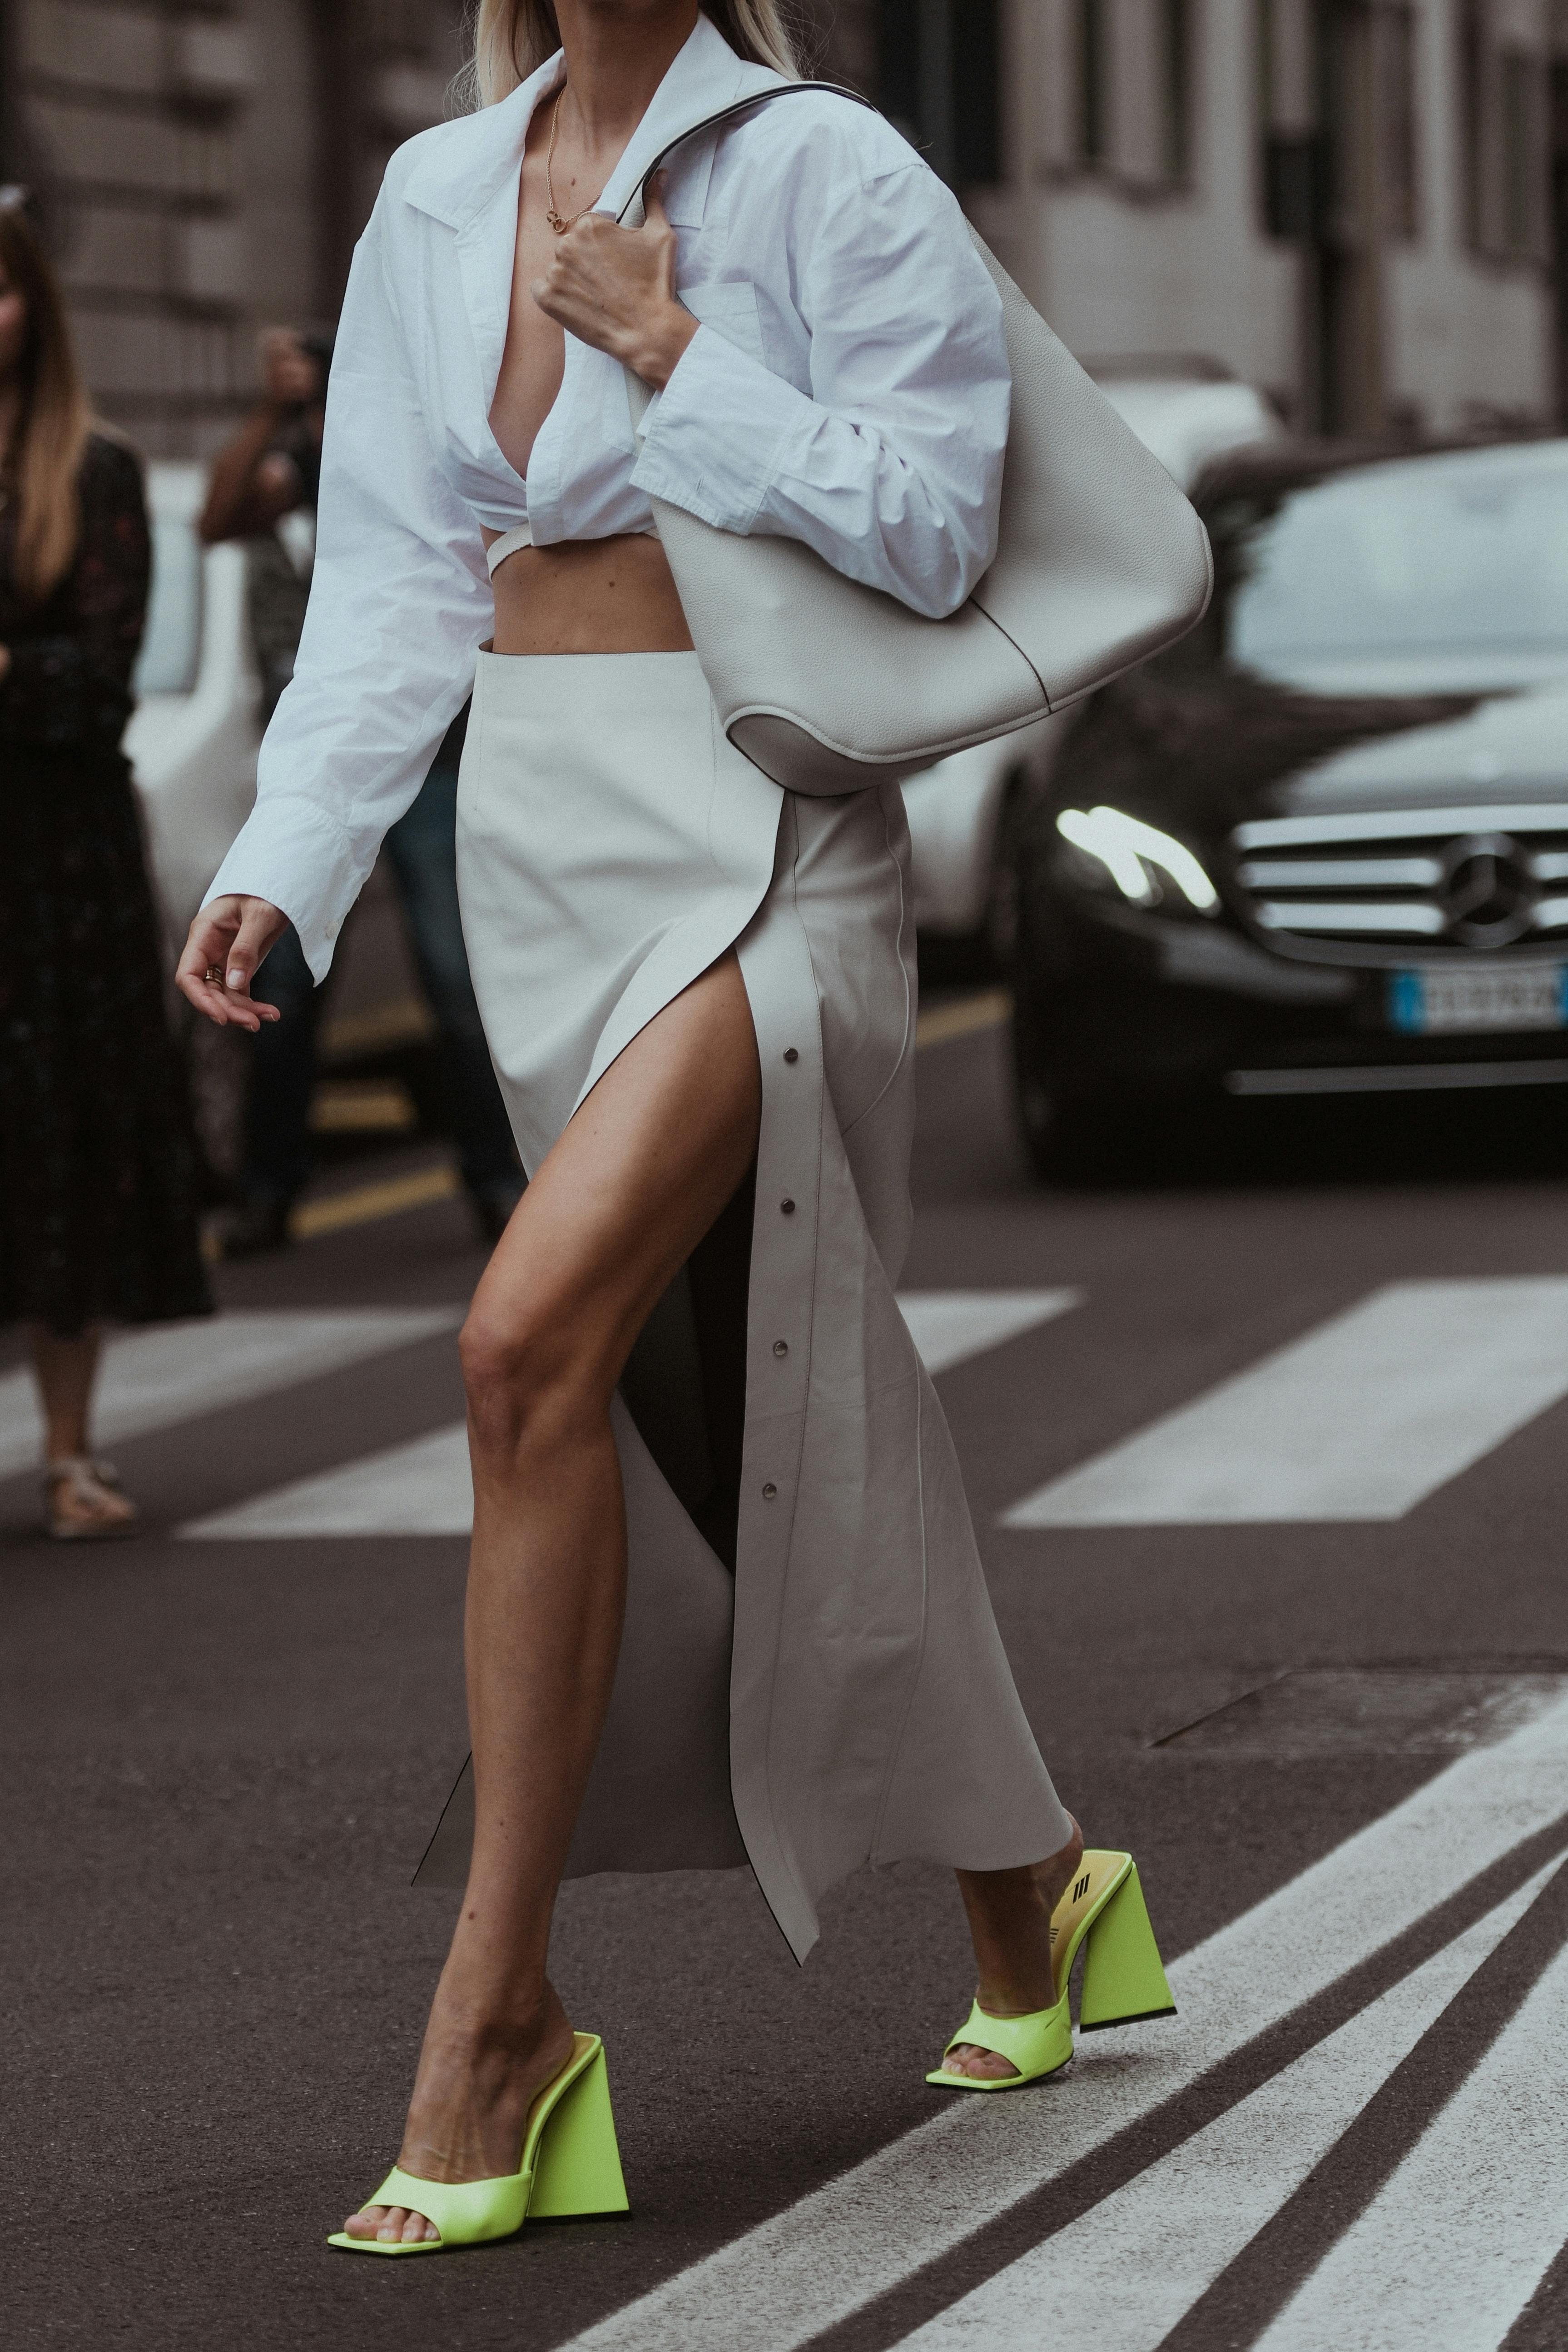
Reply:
x=51, y=432
x=512, y=37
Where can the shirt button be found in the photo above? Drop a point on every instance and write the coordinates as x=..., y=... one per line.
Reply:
x=787, y=1208
x=790, y=1054
x=781, y=1347
x=768, y=1492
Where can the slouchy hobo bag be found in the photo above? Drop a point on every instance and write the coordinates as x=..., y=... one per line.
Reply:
x=828, y=686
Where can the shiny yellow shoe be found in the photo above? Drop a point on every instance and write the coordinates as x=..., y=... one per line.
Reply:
x=1123, y=1979
x=571, y=2165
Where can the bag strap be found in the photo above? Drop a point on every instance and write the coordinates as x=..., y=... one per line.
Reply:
x=638, y=394
x=639, y=195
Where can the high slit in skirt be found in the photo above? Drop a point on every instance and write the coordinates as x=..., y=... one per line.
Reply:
x=837, y=1692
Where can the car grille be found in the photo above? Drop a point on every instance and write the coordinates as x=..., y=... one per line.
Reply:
x=1397, y=880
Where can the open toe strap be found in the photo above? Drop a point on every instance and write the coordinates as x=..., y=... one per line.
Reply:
x=466, y=2212
x=1036, y=2045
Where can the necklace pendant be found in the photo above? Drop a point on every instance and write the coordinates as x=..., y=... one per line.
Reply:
x=556, y=223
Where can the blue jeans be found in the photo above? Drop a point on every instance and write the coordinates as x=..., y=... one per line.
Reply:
x=422, y=850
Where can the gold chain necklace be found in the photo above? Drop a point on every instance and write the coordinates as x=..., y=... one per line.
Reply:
x=551, y=214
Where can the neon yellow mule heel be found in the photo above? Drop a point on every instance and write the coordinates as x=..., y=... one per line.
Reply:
x=1123, y=1979
x=571, y=2165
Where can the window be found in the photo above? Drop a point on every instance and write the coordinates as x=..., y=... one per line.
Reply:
x=1471, y=65
x=1416, y=561
x=976, y=94
x=939, y=79
x=1396, y=141
x=1523, y=165
x=1093, y=82
x=1504, y=105
x=898, y=66
x=1176, y=96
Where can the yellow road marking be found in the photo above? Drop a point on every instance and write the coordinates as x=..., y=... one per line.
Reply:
x=402, y=1021
x=983, y=1010
x=356, y=1106
x=368, y=1201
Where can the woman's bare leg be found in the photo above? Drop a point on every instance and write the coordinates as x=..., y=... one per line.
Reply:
x=65, y=1370
x=633, y=1185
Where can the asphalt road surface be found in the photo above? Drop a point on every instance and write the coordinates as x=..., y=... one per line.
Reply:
x=1267, y=1449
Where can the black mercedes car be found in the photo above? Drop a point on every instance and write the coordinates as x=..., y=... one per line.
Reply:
x=1321, y=846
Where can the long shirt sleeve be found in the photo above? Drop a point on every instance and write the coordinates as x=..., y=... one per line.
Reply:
x=859, y=404
x=399, y=603
x=890, y=468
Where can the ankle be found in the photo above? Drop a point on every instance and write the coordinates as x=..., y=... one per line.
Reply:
x=1010, y=1914
x=486, y=2008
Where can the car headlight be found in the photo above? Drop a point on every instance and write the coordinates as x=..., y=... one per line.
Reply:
x=1145, y=864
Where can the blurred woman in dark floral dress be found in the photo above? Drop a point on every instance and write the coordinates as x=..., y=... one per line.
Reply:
x=98, y=1174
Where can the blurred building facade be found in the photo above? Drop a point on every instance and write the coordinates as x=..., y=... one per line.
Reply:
x=205, y=171
x=1360, y=204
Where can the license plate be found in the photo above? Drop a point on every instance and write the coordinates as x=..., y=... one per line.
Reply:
x=1435, y=1004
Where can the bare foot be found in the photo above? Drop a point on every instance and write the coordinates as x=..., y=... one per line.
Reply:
x=1009, y=1919
x=478, y=2075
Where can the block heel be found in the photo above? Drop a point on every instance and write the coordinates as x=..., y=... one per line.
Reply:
x=578, y=2167
x=1124, y=1976
x=570, y=2164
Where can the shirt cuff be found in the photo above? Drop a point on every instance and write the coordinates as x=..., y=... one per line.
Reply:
x=291, y=854
x=716, y=433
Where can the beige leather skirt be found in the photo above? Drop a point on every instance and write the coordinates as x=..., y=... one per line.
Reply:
x=836, y=1693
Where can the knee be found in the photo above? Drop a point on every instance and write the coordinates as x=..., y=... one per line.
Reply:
x=525, y=1381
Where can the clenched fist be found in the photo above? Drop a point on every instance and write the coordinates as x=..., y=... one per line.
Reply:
x=615, y=288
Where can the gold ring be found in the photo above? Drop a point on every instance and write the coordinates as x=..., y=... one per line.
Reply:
x=215, y=974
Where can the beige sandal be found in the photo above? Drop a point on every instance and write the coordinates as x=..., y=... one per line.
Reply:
x=94, y=1488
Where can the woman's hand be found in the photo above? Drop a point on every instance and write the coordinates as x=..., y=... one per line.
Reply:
x=615, y=288
x=228, y=941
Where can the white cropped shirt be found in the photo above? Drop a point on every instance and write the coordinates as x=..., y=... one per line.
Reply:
x=847, y=386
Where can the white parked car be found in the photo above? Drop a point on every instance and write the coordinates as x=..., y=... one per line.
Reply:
x=958, y=809
x=195, y=729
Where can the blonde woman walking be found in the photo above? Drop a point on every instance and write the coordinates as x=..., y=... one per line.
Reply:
x=724, y=1602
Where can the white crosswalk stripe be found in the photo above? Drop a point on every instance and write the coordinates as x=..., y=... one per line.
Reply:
x=1446, y=2258
x=833, y=2252
x=1132, y=2265
x=154, y=1379
x=949, y=1327
x=423, y=1488
x=1359, y=1420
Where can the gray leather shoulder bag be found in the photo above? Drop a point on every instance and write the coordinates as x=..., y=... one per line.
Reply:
x=828, y=685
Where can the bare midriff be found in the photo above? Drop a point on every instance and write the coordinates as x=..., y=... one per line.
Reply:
x=589, y=596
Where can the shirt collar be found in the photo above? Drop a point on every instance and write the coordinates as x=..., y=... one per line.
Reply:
x=466, y=163
x=706, y=77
